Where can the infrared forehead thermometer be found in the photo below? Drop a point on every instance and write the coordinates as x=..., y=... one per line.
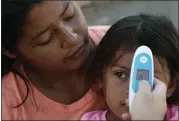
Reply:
x=142, y=69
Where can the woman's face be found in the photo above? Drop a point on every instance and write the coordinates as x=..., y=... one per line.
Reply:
x=116, y=81
x=55, y=36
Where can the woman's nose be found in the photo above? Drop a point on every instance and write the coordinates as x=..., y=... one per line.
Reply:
x=67, y=35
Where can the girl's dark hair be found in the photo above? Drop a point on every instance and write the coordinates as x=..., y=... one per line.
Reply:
x=156, y=32
x=13, y=17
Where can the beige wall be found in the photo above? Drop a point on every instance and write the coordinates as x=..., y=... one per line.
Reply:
x=83, y=3
x=108, y=12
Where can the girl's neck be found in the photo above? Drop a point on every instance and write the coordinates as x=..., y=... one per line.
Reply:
x=63, y=88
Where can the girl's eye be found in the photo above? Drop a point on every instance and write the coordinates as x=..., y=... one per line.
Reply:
x=122, y=76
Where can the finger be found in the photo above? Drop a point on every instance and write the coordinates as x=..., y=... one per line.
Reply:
x=160, y=87
x=126, y=116
x=160, y=90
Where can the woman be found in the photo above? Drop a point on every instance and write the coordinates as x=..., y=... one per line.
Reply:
x=45, y=48
x=47, y=42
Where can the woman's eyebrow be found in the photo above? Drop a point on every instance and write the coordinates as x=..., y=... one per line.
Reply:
x=43, y=31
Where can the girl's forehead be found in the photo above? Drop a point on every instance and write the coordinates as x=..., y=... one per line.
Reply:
x=125, y=59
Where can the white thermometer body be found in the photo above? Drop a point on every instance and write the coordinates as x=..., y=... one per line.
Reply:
x=142, y=69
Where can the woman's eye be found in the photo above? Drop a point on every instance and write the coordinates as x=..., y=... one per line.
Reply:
x=68, y=18
x=45, y=43
x=48, y=40
x=70, y=13
x=122, y=76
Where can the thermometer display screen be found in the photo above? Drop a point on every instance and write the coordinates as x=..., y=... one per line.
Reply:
x=142, y=74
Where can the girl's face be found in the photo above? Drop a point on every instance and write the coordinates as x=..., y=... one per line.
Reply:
x=55, y=36
x=116, y=81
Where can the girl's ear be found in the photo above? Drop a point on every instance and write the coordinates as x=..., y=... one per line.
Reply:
x=8, y=53
x=171, y=87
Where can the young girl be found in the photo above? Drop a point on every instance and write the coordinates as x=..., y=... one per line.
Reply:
x=113, y=59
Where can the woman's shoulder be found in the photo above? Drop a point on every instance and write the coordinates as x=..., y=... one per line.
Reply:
x=11, y=81
x=96, y=33
x=9, y=96
x=12, y=89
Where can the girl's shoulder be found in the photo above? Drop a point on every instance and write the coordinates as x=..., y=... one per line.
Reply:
x=95, y=115
x=172, y=112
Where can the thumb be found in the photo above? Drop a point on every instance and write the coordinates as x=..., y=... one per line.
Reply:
x=144, y=87
x=144, y=93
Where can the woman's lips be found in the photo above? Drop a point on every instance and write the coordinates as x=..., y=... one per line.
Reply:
x=76, y=53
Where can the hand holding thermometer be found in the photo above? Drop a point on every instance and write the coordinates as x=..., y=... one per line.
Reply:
x=142, y=69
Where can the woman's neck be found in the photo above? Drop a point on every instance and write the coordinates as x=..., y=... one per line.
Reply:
x=64, y=88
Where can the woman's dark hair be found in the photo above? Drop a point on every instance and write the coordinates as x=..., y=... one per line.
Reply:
x=156, y=32
x=13, y=17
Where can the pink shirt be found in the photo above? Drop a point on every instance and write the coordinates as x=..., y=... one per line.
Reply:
x=172, y=114
x=43, y=108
